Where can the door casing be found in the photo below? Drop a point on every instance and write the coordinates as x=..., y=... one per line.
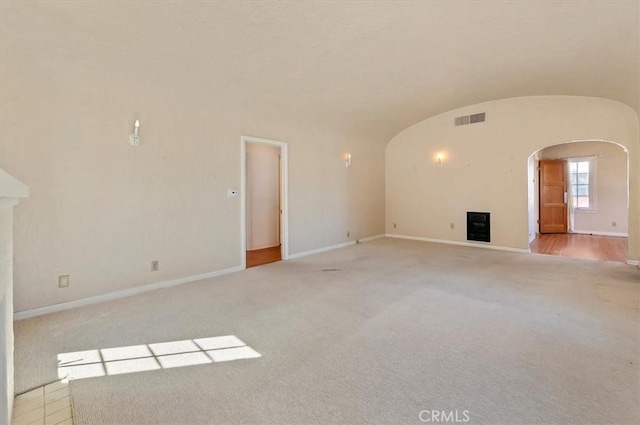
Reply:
x=284, y=198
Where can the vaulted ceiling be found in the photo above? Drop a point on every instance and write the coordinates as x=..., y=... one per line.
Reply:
x=380, y=65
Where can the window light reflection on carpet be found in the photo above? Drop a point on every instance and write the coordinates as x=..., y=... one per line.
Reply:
x=146, y=357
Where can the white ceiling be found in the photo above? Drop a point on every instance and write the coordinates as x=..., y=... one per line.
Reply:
x=380, y=65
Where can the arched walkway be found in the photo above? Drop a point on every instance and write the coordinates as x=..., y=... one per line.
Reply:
x=598, y=222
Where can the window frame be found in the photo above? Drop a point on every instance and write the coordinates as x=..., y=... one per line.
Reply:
x=592, y=160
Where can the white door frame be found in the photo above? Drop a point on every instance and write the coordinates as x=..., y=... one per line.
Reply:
x=284, y=194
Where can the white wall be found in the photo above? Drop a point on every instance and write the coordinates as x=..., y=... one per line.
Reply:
x=531, y=200
x=263, y=197
x=486, y=165
x=6, y=311
x=536, y=192
x=610, y=185
x=101, y=210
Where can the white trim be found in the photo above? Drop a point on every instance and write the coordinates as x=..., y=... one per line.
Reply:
x=597, y=233
x=319, y=250
x=10, y=187
x=471, y=244
x=27, y=314
x=8, y=203
x=633, y=262
x=593, y=170
x=370, y=238
x=284, y=228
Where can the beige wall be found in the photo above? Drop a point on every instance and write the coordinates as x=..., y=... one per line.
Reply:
x=486, y=165
x=611, y=185
x=101, y=210
x=263, y=206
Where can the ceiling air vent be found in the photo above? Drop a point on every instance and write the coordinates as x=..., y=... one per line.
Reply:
x=477, y=118
x=462, y=120
x=470, y=119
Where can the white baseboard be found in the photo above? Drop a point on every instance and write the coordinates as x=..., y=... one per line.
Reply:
x=370, y=238
x=471, y=244
x=597, y=233
x=319, y=250
x=27, y=314
x=633, y=262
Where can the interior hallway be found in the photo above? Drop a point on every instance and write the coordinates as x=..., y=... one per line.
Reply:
x=605, y=248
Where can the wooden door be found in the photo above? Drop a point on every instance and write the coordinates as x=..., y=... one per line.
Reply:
x=553, y=196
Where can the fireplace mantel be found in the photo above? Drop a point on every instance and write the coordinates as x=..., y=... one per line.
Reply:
x=11, y=191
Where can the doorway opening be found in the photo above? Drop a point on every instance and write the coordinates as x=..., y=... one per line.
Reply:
x=578, y=200
x=264, y=201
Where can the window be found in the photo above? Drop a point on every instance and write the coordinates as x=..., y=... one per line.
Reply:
x=582, y=178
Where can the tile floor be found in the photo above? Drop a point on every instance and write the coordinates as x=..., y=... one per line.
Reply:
x=48, y=405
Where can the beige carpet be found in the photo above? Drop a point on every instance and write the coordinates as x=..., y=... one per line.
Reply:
x=389, y=329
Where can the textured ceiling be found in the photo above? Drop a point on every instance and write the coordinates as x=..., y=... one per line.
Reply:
x=378, y=65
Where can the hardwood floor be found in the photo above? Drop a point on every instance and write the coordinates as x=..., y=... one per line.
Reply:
x=263, y=256
x=607, y=248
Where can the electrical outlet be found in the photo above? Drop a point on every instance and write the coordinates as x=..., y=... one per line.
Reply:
x=154, y=266
x=452, y=225
x=394, y=225
x=614, y=224
x=63, y=281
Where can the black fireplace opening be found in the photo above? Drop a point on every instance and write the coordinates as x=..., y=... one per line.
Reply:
x=478, y=226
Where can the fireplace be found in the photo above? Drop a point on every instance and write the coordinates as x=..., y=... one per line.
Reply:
x=478, y=226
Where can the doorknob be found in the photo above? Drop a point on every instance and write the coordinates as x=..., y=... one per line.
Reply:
x=565, y=198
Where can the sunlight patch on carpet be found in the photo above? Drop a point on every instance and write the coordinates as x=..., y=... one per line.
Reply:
x=145, y=357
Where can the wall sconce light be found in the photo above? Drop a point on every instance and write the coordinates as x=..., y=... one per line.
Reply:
x=134, y=138
x=439, y=160
x=347, y=160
